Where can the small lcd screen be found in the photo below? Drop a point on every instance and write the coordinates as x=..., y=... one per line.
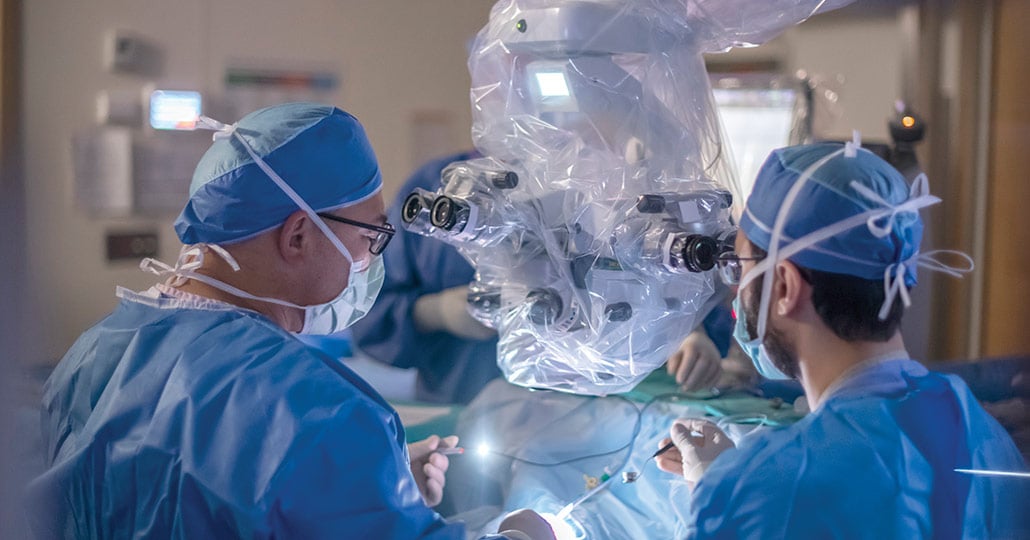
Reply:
x=175, y=110
x=552, y=84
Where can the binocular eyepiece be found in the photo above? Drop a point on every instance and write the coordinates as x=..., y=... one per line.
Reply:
x=448, y=213
x=443, y=212
x=697, y=252
x=414, y=204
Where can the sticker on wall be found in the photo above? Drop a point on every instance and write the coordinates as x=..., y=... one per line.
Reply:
x=251, y=86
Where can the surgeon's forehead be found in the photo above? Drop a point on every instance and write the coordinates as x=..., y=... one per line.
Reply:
x=370, y=210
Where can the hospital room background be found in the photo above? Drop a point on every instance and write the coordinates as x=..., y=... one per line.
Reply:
x=92, y=178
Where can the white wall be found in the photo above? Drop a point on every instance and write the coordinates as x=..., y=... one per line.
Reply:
x=866, y=53
x=394, y=57
x=861, y=48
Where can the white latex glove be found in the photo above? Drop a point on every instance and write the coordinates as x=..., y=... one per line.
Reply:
x=525, y=524
x=696, y=364
x=447, y=311
x=698, y=443
x=429, y=468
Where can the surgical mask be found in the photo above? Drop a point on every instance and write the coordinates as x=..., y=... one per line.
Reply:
x=352, y=303
x=754, y=347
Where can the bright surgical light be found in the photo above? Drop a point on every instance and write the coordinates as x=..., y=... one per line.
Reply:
x=564, y=528
x=483, y=449
x=174, y=110
x=552, y=84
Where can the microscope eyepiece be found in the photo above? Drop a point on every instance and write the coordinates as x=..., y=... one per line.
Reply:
x=699, y=253
x=444, y=213
x=413, y=205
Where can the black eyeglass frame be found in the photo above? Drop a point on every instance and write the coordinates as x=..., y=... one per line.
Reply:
x=381, y=240
x=724, y=260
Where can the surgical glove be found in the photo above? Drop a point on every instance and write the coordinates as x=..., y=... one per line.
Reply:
x=696, y=364
x=429, y=467
x=447, y=311
x=699, y=442
x=525, y=524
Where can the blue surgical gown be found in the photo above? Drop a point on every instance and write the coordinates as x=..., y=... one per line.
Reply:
x=174, y=418
x=451, y=369
x=876, y=460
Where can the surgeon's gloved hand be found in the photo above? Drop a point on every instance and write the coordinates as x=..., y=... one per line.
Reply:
x=698, y=443
x=447, y=311
x=525, y=524
x=696, y=364
x=429, y=467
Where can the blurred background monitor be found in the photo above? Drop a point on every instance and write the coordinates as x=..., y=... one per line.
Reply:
x=759, y=113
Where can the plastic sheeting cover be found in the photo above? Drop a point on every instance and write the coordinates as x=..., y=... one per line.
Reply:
x=604, y=196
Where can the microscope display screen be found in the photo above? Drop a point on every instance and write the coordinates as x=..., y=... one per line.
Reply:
x=756, y=122
x=552, y=84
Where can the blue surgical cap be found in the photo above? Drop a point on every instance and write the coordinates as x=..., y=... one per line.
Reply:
x=320, y=151
x=828, y=197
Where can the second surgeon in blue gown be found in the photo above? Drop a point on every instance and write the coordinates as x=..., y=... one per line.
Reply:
x=827, y=250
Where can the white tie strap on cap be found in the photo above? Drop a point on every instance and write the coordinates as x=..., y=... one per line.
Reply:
x=190, y=259
x=894, y=275
x=851, y=147
x=919, y=197
x=221, y=131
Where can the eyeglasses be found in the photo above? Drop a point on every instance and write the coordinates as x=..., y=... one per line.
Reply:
x=383, y=233
x=730, y=268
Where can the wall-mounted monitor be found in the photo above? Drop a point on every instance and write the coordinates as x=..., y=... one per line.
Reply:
x=174, y=110
x=760, y=112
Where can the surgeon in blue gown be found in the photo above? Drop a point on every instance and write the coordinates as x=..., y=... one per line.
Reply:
x=193, y=411
x=827, y=250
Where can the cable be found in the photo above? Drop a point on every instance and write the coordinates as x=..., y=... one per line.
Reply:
x=636, y=431
x=629, y=445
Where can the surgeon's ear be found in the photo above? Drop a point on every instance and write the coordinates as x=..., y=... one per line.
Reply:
x=293, y=236
x=789, y=289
